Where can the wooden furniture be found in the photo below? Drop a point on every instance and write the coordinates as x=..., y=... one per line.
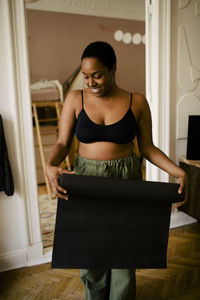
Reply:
x=49, y=94
x=48, y=136
x=35, y=105
x=192, y=168
x=57, y=105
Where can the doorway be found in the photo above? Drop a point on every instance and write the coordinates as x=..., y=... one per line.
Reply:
x=126, y=36
x=156, y=42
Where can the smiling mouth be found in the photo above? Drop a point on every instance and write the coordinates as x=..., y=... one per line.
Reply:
x=95, y=90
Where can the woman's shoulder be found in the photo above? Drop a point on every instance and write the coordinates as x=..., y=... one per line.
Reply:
x=73, y=97
x=140, y=104
x=73, y=94
x=72, y=101
x=139, y=97
x=140, y=100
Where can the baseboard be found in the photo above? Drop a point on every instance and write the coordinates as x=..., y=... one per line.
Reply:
x=35, y=254
x=13, y=260
x=32, y=255
x=48, y=254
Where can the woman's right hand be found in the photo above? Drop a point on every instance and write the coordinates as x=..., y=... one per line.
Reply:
x=52, y=174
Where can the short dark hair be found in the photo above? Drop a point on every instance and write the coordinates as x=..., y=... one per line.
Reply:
x=102, y=51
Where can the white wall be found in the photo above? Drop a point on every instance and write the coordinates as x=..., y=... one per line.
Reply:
x=185, y=79
x=13, y=235
x=16, y=238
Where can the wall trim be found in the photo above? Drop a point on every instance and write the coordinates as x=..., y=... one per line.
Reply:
x=20, y=89
x=35, y=254
x=23, y=105
x=32, y=255
x=165, y=87
x=121, y=9
x=158, y=35
x=13, y=260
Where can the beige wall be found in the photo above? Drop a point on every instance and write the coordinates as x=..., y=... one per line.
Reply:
x=56, y=41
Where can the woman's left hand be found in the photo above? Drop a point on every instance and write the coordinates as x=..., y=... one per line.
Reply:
x=183, y=181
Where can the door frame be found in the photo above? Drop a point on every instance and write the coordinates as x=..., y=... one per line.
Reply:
x=158, y=56
x=158, y=39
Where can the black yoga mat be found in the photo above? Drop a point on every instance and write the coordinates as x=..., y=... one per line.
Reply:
x=112, y=223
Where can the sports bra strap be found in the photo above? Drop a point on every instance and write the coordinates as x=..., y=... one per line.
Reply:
x=131, y=101
x=82, y=97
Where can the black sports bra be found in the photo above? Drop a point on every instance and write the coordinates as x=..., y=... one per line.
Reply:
x=121, y=132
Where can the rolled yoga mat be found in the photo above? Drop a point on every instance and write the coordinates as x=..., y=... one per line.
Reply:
x=113, y=223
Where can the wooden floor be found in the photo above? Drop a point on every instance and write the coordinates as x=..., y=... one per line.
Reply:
x=180, y=281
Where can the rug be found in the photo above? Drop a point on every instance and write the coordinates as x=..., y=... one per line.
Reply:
x=47, y=210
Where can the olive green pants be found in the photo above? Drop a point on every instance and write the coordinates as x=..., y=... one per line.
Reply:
x=115, y=284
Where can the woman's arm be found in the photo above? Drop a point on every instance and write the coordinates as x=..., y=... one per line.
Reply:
x=63, y=143
x=152, y=153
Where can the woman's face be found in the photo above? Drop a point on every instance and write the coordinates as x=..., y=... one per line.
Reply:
x=98, y=77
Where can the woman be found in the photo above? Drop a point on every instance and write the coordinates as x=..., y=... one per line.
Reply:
x=105, y=119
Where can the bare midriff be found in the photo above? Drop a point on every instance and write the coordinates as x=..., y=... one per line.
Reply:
x=105, y=150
